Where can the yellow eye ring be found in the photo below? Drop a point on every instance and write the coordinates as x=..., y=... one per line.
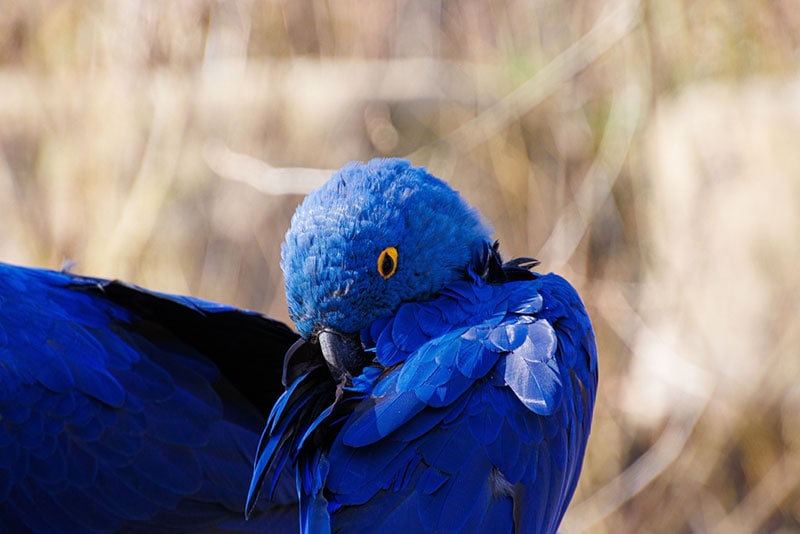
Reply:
x=387, y=262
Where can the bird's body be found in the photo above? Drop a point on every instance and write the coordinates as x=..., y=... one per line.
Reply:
x=431, y=388
x=469, y=405
x=116, y=412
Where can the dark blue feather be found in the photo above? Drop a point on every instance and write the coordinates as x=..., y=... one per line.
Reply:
x=116, y=412
x=461, y=441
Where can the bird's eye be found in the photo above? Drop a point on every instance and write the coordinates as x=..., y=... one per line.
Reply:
x=387, y=262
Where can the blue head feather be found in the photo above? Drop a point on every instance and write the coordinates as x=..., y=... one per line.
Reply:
x=330, y=255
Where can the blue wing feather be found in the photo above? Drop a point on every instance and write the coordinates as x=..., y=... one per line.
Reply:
x=473, y=416
x=118, y=410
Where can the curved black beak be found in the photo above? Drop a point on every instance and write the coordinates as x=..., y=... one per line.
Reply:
x=342, y=352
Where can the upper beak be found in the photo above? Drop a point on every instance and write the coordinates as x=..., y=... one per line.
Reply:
x=343, y=353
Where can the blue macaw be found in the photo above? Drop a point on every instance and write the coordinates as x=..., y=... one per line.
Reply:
x=435, y=388
x=128, y=410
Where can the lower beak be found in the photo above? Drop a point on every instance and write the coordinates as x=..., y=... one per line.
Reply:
x=343, y=353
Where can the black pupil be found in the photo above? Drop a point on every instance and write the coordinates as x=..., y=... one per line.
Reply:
x=387, y=264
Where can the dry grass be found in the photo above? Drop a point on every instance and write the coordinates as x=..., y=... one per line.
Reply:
x=648, y=151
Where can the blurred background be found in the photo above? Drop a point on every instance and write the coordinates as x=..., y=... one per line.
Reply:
x=648, y=151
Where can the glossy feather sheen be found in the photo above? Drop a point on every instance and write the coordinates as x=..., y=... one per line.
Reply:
x=486, y=414
x=496, y=424
x=115, y=416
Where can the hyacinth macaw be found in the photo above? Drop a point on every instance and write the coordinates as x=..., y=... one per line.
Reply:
x=449, y=391
x=128, y=410
x=435, y=388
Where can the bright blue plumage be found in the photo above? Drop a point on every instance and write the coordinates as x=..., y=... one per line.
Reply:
x=121, y=409
x=435, y=388
x=465, y=401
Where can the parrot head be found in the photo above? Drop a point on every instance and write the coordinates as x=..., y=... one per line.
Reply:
x=373, y=236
